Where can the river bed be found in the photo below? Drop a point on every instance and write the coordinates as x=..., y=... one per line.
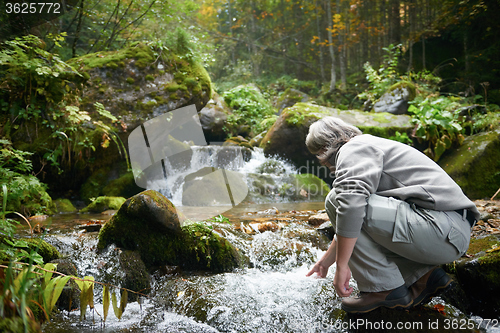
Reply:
x=272, y=295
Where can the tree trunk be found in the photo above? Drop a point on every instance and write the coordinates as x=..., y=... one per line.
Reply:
x=78, y=29
x=321, y=60
x=395, y=23
x=412, y=19
x=343, y=48
x=255, y=55
x=333, y=77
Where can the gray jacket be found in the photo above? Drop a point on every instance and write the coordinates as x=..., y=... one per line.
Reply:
x=368, y=164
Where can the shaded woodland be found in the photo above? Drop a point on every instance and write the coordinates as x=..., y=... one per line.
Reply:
x=324, y=41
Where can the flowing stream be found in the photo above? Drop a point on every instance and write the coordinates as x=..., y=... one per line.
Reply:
x=272, y=295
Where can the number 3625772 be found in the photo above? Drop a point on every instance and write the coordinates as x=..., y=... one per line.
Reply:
x=33, y=8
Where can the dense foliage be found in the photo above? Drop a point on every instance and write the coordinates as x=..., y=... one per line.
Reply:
x=251, y=108
x=39, y=109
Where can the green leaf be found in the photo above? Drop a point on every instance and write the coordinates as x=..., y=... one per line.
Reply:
x=123, y=301
x=58, y=290
x=51, y=268
x=116, y=309
x=105, y=301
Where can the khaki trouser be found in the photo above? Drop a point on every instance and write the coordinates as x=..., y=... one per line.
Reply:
x=400, y=242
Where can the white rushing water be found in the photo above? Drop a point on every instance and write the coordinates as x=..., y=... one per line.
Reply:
x=219, y=157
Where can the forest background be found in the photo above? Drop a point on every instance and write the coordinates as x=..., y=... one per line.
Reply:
x=326, y=42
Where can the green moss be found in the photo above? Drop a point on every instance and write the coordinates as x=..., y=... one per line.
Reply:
x=405, y=84
x=383, y=132
x=296, y=115
x=124, y=186
x=313, y=185
x=191, y=82
x=475, y=164
x=130, y=80
x=194, y=246
x=481, y=244
x=103, y=203
x=64, y=206
x=149, y=77
x=47, y=251
x=142, y=54
x=93, y=185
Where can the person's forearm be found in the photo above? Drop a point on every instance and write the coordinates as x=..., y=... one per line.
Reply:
x=330, y=255
x=345, y=247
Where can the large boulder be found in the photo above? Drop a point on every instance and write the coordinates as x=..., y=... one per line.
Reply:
x=150, y=224
x=479, y=276
x=286, y=138
x=213, y=119
x=289, y=98
x=135, y=84
x=396, y=99
x=475, y=164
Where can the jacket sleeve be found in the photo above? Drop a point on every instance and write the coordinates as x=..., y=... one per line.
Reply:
x=359, y=168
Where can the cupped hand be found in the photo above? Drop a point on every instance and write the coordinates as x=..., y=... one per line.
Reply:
x=319, y=269
x=341, y=281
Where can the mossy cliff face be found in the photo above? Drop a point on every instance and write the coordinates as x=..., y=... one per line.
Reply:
x=475, y=164
x=137, y=84
x=287, y=136
x=149, y=223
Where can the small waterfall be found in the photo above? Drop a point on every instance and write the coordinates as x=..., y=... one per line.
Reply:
x=241, y=161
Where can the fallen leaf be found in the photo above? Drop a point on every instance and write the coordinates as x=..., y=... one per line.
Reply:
x=439, y=308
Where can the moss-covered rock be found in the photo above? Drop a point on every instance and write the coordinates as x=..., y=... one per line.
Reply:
x=100, y=204
x=149, y=223
x=289, y=98
x=136, y=85
x=266, y=188
x=213, y=119
x=64, y=206
x=479, y=275
x=286, y=138
x=136, y=276
x=396, y=99
x=475, y=164
x=311, y=187
x=113, y=181
x=70, y=296
x=46, y=250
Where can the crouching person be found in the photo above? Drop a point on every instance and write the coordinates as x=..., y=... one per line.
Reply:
x=397, y=216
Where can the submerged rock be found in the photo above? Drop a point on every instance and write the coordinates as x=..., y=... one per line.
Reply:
x=293, y=187
x=150, y=224
x=70, y=296
x=136, y=276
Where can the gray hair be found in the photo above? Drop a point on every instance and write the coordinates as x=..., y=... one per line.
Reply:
x=327, y=135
